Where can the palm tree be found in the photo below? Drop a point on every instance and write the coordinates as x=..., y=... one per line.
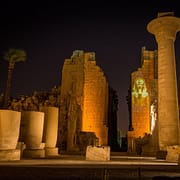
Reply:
x=12, y=56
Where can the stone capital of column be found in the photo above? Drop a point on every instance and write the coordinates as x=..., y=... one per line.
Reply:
x=164, y=27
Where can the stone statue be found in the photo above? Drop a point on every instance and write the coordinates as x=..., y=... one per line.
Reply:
x=73, y=114
x=153, y=111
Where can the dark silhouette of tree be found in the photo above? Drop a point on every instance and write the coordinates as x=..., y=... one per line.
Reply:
x=12, y=56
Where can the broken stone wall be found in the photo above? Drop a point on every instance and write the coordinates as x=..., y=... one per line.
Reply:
x=95, y=102
x=71, y=100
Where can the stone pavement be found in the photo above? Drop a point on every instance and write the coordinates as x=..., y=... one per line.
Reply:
x=76, y=167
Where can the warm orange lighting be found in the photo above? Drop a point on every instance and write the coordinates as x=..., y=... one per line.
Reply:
x=83, y=101
x=140, y=108
x=95, y=102
x=143, y=94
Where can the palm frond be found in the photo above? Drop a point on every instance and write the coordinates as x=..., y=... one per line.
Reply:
x=14, y=55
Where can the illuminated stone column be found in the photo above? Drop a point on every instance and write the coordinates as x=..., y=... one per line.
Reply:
x=34, y=123
x=164, y=28
x=9, y=134
x=50, y=130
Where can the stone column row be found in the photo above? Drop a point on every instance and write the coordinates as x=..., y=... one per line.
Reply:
x=28, y=134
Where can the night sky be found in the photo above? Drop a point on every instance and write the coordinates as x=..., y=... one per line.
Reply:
x=49, y=32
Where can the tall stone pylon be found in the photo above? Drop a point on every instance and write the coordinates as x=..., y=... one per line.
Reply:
x=164, y=28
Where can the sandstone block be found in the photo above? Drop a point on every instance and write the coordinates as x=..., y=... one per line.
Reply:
x=98, y=153
x=173, y=153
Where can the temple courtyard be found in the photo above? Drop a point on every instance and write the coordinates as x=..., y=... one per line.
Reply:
x=65, y=166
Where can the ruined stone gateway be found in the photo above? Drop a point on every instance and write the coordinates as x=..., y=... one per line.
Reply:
x=83, y=103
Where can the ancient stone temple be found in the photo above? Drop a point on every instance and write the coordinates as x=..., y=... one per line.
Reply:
x=83, y=103
x=143, y=100
x=164, y=28
x=154, y=110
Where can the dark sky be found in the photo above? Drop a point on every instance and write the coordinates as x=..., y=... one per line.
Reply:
x=49, y=32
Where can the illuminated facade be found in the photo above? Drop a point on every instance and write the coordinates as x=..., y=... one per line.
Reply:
x=153, y=98
x=143, y=96
x=95, y=100
x=83, y=101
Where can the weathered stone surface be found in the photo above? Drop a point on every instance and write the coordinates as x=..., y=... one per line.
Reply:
x=164, y=28
x=158, y=94
x=71, y=97
x=95, y=101
x=33, y=129
x=34, y=153
x=173, y=153
x=98, y=153
x=50, y=126
x=21, y=146
x=33, y=133
x=9, y=129
x=10, y=155
x=83, y=101
x=51, y=152
x=143, y=97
